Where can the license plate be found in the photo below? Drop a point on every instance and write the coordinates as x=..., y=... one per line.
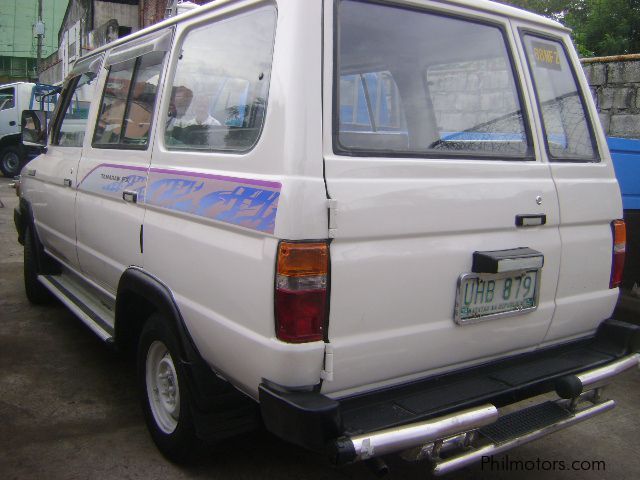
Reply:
x=485, y=296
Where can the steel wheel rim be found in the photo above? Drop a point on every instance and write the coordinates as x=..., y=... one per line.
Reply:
x=163, y=392
x=11, y=161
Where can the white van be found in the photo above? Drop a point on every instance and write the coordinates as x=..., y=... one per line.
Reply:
x=372, y=224
x=14, y=99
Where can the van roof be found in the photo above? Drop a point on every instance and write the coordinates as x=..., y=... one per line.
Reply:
x=487, y=6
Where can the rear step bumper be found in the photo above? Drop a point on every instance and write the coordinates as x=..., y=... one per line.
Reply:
x=481, y=432
x=454, y=420
x=560, y=411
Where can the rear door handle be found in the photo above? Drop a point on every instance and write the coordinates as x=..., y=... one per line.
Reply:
x=530, y=220
x=130, y=196
x=67, y=182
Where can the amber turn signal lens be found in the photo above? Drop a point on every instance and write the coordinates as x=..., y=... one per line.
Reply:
x=619, y=232
x=302, y=259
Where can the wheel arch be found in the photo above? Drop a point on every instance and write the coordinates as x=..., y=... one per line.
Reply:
x=23, y=218
x=14, y=139
x=139, y=295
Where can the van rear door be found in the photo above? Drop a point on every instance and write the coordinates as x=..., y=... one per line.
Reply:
x=430, y=157
x=588, y=193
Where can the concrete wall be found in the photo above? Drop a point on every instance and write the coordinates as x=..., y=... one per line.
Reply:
x=615, y=85
x=468, y=94
x=126, y=15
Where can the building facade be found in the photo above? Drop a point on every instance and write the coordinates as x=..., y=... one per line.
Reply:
x=18, y=42
x=89, y=24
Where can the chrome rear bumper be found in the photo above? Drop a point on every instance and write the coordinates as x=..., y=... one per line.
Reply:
x=454, y=441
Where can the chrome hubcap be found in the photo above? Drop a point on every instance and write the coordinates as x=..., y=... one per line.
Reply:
x=163, y=391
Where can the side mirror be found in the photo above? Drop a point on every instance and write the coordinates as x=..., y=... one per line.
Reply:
x=34, y=128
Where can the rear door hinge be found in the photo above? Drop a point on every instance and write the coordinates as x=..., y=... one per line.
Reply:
x=332, y=205
x=326, y=373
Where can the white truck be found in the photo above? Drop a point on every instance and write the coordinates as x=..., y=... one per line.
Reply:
x=377, y=226
x=14, y=99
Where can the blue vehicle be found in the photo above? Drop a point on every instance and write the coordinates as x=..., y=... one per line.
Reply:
x=626, y=161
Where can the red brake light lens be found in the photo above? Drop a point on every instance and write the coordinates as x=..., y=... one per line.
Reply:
x=301, y=291
x=619, y=231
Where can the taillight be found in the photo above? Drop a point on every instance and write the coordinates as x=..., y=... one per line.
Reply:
x=301, y=291
x=619, y=246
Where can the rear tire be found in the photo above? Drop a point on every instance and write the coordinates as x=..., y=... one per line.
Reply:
x=11, y=161
x=163, y=392
x=36, y=292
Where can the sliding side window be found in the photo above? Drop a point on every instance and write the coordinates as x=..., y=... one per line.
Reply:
x=128, y=102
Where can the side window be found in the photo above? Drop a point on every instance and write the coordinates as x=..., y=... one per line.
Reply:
x=567, y=130
x=371, y=111
x=370, y=102
x=219, y=91
x=128, y=102
x=73, y=116
x=7, y=98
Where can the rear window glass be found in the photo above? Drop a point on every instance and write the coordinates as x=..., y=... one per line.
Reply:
x=567, y=131
x=421, y=83
x=219, y=92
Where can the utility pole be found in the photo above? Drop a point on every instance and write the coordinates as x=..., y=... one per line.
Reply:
x=40, y=34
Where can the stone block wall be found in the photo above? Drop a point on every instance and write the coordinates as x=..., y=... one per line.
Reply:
x=615, y=86
x=465, y=95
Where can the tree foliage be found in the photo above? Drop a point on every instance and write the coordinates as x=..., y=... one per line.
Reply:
x=600, y=27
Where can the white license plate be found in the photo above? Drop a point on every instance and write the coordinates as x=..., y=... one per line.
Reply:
x=485, y=296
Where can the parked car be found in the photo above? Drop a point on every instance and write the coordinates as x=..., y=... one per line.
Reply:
x=371, y=225
x=14, y=98
x=625, y=153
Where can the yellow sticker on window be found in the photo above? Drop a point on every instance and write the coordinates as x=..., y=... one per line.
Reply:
x=546, y=55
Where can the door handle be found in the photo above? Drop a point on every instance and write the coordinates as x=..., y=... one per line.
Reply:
x=130, y=196
x=67, y=182
x=12, y=123
x=531, y=220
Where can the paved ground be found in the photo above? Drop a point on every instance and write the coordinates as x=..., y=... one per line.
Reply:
x=68, y=410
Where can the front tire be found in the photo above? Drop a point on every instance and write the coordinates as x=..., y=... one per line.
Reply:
x=163, y=392
x=11, y=160
x=36, y=292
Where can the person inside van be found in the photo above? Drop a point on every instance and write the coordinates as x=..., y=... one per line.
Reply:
x=200, y=113
x=194, y=126
x=181, y=98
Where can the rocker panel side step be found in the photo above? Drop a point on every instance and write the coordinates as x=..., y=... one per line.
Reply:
x=98, y=318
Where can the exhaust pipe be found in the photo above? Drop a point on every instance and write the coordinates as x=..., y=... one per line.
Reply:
x=369, y=445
